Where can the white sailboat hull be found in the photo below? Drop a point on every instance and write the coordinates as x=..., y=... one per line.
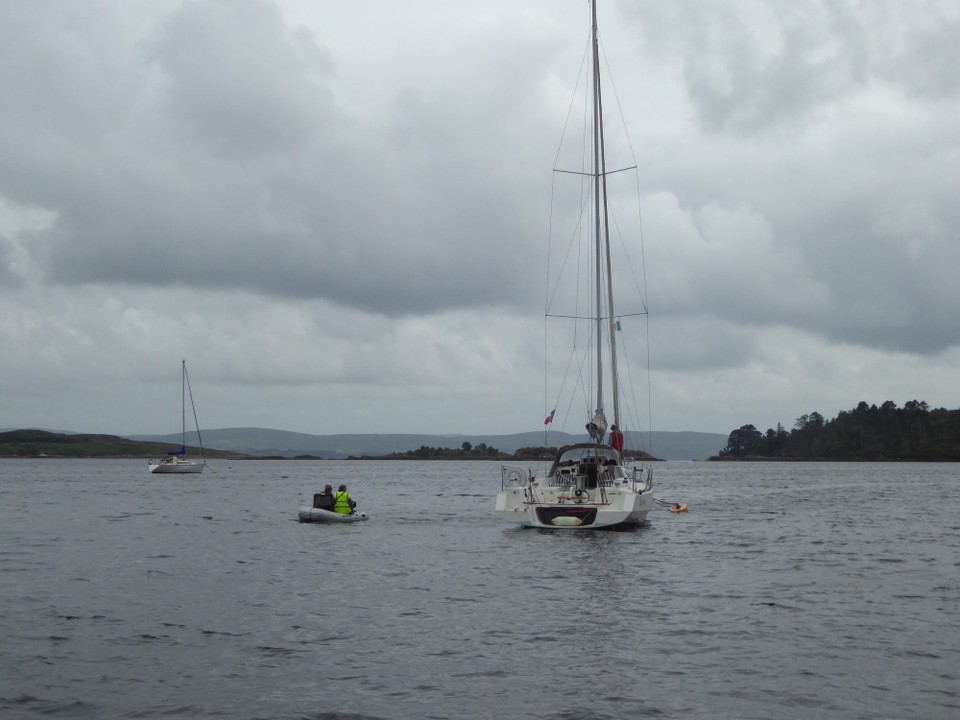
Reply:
x=622, y=507
x=578, y=493
x=176, y=465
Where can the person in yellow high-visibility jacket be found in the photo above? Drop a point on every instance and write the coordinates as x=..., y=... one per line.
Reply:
x=342, y=503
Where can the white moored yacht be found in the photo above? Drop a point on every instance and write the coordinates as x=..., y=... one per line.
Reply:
x=597, y=483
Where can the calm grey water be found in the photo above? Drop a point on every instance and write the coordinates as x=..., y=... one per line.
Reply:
x=788, y=591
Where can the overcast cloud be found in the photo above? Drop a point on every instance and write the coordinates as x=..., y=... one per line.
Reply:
x=336, y=212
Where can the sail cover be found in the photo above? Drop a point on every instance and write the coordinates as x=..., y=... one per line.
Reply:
x=597, y=427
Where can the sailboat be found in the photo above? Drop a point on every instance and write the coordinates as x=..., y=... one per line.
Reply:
x=597, y=483
x=176, y=461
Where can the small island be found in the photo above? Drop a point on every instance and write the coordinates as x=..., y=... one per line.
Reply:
x=484, y=452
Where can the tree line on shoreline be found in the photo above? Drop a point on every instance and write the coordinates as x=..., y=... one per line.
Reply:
x=466, y=451
x=868, y=432
x=31, y=443
x=485, y=452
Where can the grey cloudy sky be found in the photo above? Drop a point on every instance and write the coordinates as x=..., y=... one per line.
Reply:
x=336, y=211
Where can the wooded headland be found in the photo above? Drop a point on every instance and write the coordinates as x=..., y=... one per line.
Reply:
x=866, y=433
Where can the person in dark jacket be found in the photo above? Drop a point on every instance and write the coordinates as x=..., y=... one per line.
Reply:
x=342, y=503
x=324, y=500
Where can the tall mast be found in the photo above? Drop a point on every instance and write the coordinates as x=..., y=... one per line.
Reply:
x=611, y=318
x=600, y=192
x=183, y=404
x=193, y=408
x=597, y=160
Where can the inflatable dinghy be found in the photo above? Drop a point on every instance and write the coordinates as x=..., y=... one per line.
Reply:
x=316, y=515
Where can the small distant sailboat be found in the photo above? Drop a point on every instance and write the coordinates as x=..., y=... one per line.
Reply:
x=591, y=484
x=176, y=461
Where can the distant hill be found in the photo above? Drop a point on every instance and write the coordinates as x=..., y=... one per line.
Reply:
x=283, y=443
x=41, y=443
